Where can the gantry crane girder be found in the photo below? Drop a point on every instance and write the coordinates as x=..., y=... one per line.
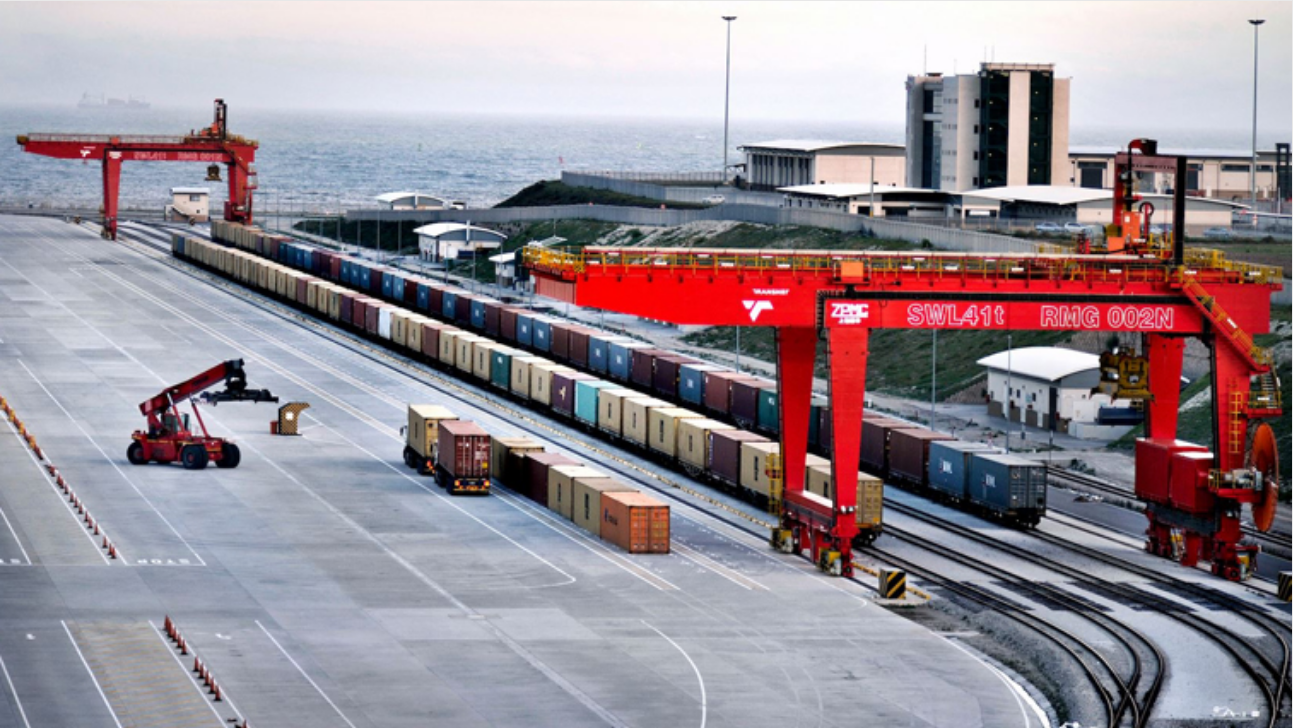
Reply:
x=212, y=145
x=844, y=295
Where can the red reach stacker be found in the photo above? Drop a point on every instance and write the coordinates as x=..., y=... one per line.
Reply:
x=168, y=438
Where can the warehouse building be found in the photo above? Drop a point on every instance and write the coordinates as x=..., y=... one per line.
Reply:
x=793, y=162
x=1211, y=173
x=452, y=240
x=1050, y=388
x=1006, y=125
x=1086, y=206
x=417, y=201
x=859, y=199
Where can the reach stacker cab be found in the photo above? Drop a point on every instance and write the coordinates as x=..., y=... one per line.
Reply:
x=422, y=434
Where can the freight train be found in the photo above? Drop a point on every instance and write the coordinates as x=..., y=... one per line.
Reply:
x=542, y=360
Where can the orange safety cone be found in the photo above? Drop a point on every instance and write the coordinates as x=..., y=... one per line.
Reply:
x=112, y=550
x=197, y=666
x=216, y=689
x=105, y=542
x=61, y=483
x=184, y=647
x=96, y=528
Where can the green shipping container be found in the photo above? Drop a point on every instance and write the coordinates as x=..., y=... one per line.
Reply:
x=500, y=368
x=768, y=418
x=586, y=391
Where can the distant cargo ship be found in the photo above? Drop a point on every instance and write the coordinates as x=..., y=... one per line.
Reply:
x=100, y=102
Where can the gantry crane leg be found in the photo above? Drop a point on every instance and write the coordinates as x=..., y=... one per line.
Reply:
x=111, y=187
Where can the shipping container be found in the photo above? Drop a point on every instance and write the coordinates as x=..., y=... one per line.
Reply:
x=561, y=485
x=465, y=356
x=754, y=466
x=610, y=408
x=507, y=322
x=384, y=312
x=559, y=348
x=399, y=327
x=525, y=328
x=500, y=367
x=662, y=429
x=563, y=390
x=424, y=296
x=599, y=351
x=520, y=385
x=578, y=346
x=462, y=457
x=477, y=313
x=431, y=338
x=909, y=451
x=664, y=377
x=643, y=371
x=693, y=441
x=449, y=303
x=870, y=494
x=691, y=382
x=436, y=307
x=449, y=345
x=949, y=466
x=635, y=522
x=621, y=359
x=768, y=416
x=541, y=332
x=493, y=316
x=587, y=394
x=413, y=333
x=423, y=434
x=745, y=401
x=636, y=418
x=814, y=422
x=536, y=469
x=1008, y=485
x=462, y=304
x=541, y=381
x=724, y=462
x=374, y=316
x=718, y=389
x=498, y=450
x=411, y=285
x=482, y=358
x=586, y=508
x=874, y=453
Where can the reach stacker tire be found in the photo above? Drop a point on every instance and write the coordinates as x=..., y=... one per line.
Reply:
x=194, y=457
x=230, y=457
x=135, y=454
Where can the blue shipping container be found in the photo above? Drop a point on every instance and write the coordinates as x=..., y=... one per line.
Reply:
x=388, y=283
x=621, y=364
x=478, y=314
x=599, y=351
x=448, y=303
x=949, y=465
x=586, y=392
x=542, y=333
x=424, y=297
x=525, y=329
x=691, y=381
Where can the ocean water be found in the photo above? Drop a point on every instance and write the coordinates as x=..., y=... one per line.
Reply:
x=321, y=160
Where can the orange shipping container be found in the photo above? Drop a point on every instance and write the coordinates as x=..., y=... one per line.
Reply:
x=635, y=522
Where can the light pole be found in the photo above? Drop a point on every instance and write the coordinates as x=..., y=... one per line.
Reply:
x=1252, y=172
x=727, y=94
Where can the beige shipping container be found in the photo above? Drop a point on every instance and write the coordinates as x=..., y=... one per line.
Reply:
x=424, y=427
x=312, y=295
x=754, y=463
x=541, y=381
x=561, y=483
x=662, y=428
x=610, y=409
x=466, y=344
x=870, y=493
x=521, y=373
x=413, y=337
x=334, y=301
x=693, y=440
x=586, y=510
x=482, y=352
x=636, y=417
x=449, y=345
x=501, y=446
x=399, y=327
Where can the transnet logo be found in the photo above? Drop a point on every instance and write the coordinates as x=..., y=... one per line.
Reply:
x=756, y=307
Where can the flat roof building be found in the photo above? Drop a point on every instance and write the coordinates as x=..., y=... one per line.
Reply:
x=1050, y=388
x=452, y=240
x=792, y=162
x=857, y=199
x=417, y=201
x=1086, y=206
x=1006, y=125
x=1211, y=173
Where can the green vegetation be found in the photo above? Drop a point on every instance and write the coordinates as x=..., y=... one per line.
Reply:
x=552, y=192
x=366, y=234
x=899, y=361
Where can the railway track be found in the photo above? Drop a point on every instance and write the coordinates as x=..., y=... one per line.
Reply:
x=1278, y=542
x=1270, y=675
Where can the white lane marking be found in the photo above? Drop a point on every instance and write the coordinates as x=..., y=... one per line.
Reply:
x=17, y=701
x=709, y=564
x=93, y=679
x=114, y=465
x=704, y=702
x=1016, y=690
x=304, y=674
x=224, y=696
x=66, y=505
x=15, y=536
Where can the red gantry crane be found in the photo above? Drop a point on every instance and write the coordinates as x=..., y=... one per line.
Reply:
x=1166, y=294
x=213, y=145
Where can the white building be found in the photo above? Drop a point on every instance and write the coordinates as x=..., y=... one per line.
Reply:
x=453, y=240
x=791, y=162
x=858, y=199
x=189, y=204
x=1049, y=388
x=1212, y=173
x=1006, y=125
x=504, y=268
x=1086, y=206
x=417, y=201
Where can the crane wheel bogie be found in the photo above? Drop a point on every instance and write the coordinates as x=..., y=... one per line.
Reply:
x=230, y=456
x=194, y=457
x=135, y=454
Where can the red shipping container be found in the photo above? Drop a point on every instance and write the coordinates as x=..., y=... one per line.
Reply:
x=560, y=349
x=725, y=454
x=375, y=279
x=493, y=316
x=909, y=452
x=537, y=464
x=411, y=290
x=718, y=389
x=462, y=456
x=431, y=339
x=744, y=405
x=347, y=306
x=875, y=443
x=563, y=391
x=1153, y=467
x=578, y=348
x=334, y=268
x=462, y=309
x=437, y=301
x=643, y=366
x=507, y=322
x=359, y=311
x=635, y=522
x=302, y=287
x=372, y=317
x=664, y=378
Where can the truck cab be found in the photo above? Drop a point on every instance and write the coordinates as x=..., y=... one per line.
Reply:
x=422, y=435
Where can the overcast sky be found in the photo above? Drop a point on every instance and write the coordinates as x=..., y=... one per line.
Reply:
x=1170, y=64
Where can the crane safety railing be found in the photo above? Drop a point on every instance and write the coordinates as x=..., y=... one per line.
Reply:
x=107, y=138
x=884, y=265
